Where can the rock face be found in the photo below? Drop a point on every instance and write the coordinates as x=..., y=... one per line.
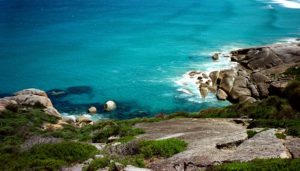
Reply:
x=213, y=141
x=29, y=98
x=256, y=75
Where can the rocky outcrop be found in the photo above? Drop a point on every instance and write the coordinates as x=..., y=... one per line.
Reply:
x=29, y=98
x=259, y=73
x=215, y=141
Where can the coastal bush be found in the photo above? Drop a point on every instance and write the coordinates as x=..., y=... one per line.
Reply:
x=111, y=128
x=251, y=133
x=272, y=107
x=280, y=135
x=66, y=151
x=47, y=156
x=161, y=148
x=292, y=92
x=98, y=163
x=294, y=71
x=292, y=126
x=260, y=165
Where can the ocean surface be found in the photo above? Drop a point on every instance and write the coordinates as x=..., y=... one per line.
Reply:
x=135, y=52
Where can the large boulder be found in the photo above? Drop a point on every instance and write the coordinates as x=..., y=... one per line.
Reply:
x=29, y=98
x=240, y=88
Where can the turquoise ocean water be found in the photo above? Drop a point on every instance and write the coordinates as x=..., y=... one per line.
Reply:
x=132, y=51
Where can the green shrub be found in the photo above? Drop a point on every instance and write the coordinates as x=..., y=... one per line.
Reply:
x=260, y=165
x=66, y=151
x=294, y=71
x=161, y=148
x=98, y=163
x=292, y=92
x=47, y=164
x=280, y=135
x=108, y=129
x=251, y=133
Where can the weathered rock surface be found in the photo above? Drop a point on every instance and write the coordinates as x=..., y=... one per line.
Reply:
x=32, y=91
x=293, y=145
x=212, y=141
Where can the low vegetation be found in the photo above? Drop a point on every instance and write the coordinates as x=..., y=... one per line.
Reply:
x=161, y=148
x=139, y=152
x=251, y=133
x=260, y=165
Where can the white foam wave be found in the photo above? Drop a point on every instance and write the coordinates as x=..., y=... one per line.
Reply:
x=288, y=3
x=188, y=86
x=289, y=40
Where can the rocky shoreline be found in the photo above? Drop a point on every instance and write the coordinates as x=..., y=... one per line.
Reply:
x=259, y=72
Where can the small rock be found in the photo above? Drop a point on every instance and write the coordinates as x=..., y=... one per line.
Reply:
x=89, y=161
x=110, y=106
x=97, y=156
x=133, y=168
x=119, y=166
x=216, y=56
x=83, y=119
x=203, y=91
x=92, y=110
x=113, y=138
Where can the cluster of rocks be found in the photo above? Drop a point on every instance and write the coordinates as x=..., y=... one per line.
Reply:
x=108, y=106
x=258, y=74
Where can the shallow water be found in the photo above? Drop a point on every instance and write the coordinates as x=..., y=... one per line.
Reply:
x=134, y=52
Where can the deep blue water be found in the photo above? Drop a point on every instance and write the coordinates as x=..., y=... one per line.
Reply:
x=132, y=51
